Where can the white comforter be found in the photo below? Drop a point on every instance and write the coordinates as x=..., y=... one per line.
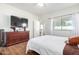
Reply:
x=47, y=45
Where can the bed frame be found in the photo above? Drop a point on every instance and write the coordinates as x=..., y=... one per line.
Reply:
x=31, y=52
x=70, y=50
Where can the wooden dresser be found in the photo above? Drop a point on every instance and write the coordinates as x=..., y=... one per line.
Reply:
x=13, y=38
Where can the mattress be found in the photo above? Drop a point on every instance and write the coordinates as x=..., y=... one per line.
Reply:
x=47, y=45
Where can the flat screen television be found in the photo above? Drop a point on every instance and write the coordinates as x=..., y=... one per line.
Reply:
x=17, y=21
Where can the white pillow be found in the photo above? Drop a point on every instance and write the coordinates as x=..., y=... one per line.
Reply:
x=67, y=41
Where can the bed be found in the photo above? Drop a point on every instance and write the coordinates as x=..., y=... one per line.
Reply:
x=53, y=45
x=47, y=45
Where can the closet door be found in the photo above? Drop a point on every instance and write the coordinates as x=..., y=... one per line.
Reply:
x=36, y=28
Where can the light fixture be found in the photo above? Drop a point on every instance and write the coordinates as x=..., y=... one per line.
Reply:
x=40, y=4
x=24, y=24
x=41, y=26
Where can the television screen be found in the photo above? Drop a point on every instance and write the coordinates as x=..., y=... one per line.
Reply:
x=17, y=21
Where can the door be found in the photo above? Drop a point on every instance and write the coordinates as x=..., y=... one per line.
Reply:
x=36, y=28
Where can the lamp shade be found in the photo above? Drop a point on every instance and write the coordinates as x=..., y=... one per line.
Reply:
x=24, y=25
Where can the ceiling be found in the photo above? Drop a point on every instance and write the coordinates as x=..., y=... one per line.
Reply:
x=48, y=8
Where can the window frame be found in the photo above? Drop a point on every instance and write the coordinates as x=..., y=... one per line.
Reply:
x=61, y=23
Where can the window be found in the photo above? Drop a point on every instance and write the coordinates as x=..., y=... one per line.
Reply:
x=63, y=23
x=57, y=23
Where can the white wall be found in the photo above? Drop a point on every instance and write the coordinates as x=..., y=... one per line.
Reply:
x=6, y=11
x=47, y=28
x=45, y=20
x=76, y=17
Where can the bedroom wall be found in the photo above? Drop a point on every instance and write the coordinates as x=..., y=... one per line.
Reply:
x=48, y=29
x=6, y=11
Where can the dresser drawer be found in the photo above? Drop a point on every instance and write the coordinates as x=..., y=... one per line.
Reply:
x=16, y=37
